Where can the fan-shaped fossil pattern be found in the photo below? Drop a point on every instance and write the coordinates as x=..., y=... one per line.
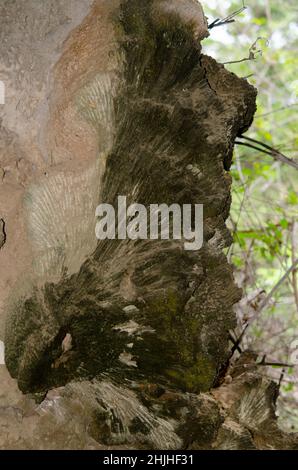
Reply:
x=61, y=224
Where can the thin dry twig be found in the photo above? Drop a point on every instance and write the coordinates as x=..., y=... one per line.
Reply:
x=252, y=53
x=264, y=303
x=294, y=253
x=272, y=152
x=258, y=116
x=227, y=20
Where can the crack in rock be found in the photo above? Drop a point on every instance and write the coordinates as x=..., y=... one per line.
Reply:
x=2, y=233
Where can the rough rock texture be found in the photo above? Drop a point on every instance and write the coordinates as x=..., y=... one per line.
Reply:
x=128, y=336
x=160, y=111
x=100, y=414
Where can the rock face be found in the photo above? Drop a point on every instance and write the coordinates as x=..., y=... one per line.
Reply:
x=133, y=332
x=158, y=120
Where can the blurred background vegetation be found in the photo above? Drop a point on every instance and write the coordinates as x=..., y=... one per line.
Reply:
x=264, y=215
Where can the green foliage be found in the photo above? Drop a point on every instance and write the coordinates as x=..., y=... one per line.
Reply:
x=264, y=211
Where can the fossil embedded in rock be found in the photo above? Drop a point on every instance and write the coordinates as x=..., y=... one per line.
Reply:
x=136, y=105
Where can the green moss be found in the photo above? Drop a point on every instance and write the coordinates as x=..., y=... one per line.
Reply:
x=198, y=377
x=174, y=351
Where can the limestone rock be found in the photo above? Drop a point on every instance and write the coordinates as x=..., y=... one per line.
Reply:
x=122, y=343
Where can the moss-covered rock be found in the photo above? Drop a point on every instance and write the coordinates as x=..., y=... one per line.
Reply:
x=165, y=117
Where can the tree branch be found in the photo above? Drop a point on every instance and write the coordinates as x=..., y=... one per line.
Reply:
x=264, y=303
x=227, y=20
x=272, y=152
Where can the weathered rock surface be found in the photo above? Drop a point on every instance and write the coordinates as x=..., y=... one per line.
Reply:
x=159, y=120
x=127, y=337
x=100, y=414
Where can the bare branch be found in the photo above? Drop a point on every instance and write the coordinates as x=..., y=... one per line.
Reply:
x=272, y=152
x=265, y=302
x=276, y=111
x=237, y=61
x=294, y=251
x=227, y=20
x=263, y=362
x=252, y=55
x=275, y=364
x=235, y=345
